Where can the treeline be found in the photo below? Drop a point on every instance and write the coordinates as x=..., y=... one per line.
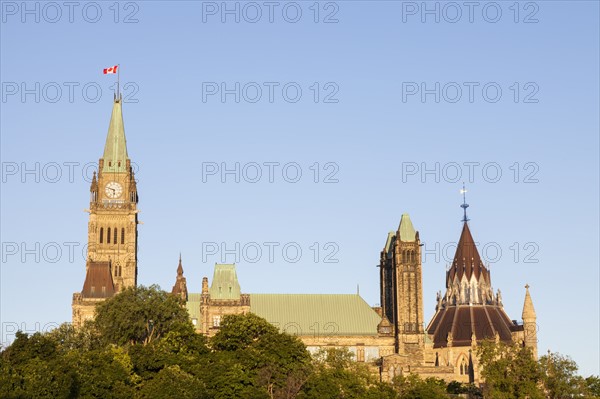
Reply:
x=142, y=345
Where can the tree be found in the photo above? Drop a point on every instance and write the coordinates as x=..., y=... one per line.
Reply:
x=261, y=356
x=336, y=375
x=592, y=384
x=560, y=378
x=102, y=373
x=510, y=371
x=172, y=382
x=139, y=315
x=181, y=346
x=32, y=367
x=457, y=388
x=413, y=387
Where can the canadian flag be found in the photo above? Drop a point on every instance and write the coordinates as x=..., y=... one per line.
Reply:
x=112, y=69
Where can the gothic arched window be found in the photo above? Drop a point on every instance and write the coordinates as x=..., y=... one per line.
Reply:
x=122, y=235
x=115, y=237
x=108, y=236
x=464, y=368
x=101, y=234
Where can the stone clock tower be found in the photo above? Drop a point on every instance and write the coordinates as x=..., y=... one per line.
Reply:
x=111, y=264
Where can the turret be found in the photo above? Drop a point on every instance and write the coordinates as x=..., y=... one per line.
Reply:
x=180, y=287
x=530, y=323
x=94, y=189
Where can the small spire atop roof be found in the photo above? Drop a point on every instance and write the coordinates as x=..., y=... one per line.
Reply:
x=464, y=205
x=528, y=310
x=180, y=267
x=115, y=150
x=180, y=287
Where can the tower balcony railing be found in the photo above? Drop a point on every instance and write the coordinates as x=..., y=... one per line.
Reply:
x=112, y=204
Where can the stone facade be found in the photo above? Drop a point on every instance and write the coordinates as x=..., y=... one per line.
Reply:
x=397, y=343
x=111, y=264
x=392, y=338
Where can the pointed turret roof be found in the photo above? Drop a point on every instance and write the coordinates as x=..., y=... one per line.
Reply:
x=179, y=267
x=467, y=261
x=406, y=229
x=528, y=310
x=115, y=149
x=180, y=287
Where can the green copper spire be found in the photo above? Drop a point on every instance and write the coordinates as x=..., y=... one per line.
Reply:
x=115, y=150
x=406, y=229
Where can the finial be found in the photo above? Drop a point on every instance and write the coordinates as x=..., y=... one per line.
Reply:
x=526, y=286
x=179, y=267
x=464, y=205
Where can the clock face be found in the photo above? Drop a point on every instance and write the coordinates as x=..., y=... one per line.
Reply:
x=113, y=190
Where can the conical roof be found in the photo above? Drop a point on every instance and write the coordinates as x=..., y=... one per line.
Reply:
x=467, y=261
x=180, y=267
x=528, y=310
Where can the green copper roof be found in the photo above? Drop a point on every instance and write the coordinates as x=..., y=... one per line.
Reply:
x=115, y=149
x=193, y=306
x=317, y=314
x=406, y=229
x=225, y=284
x=389, y=241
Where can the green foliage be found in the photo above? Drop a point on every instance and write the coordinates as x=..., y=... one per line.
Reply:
x=172, y=382
x=265, y=357
x=31, y=368
x=69, y=338
x=413, y=387
x=592, y=386
x=338, y=376
x=559, y=376
x=122, y=355
x=509, y=371
x=102, y=373
x=139, y=315
x=457, y=388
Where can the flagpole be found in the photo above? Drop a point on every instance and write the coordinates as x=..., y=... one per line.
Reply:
x=118, y=81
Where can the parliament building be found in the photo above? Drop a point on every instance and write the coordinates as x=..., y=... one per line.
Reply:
x=393, y=338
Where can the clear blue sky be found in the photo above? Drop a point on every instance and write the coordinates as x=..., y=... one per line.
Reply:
x=373, y=61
